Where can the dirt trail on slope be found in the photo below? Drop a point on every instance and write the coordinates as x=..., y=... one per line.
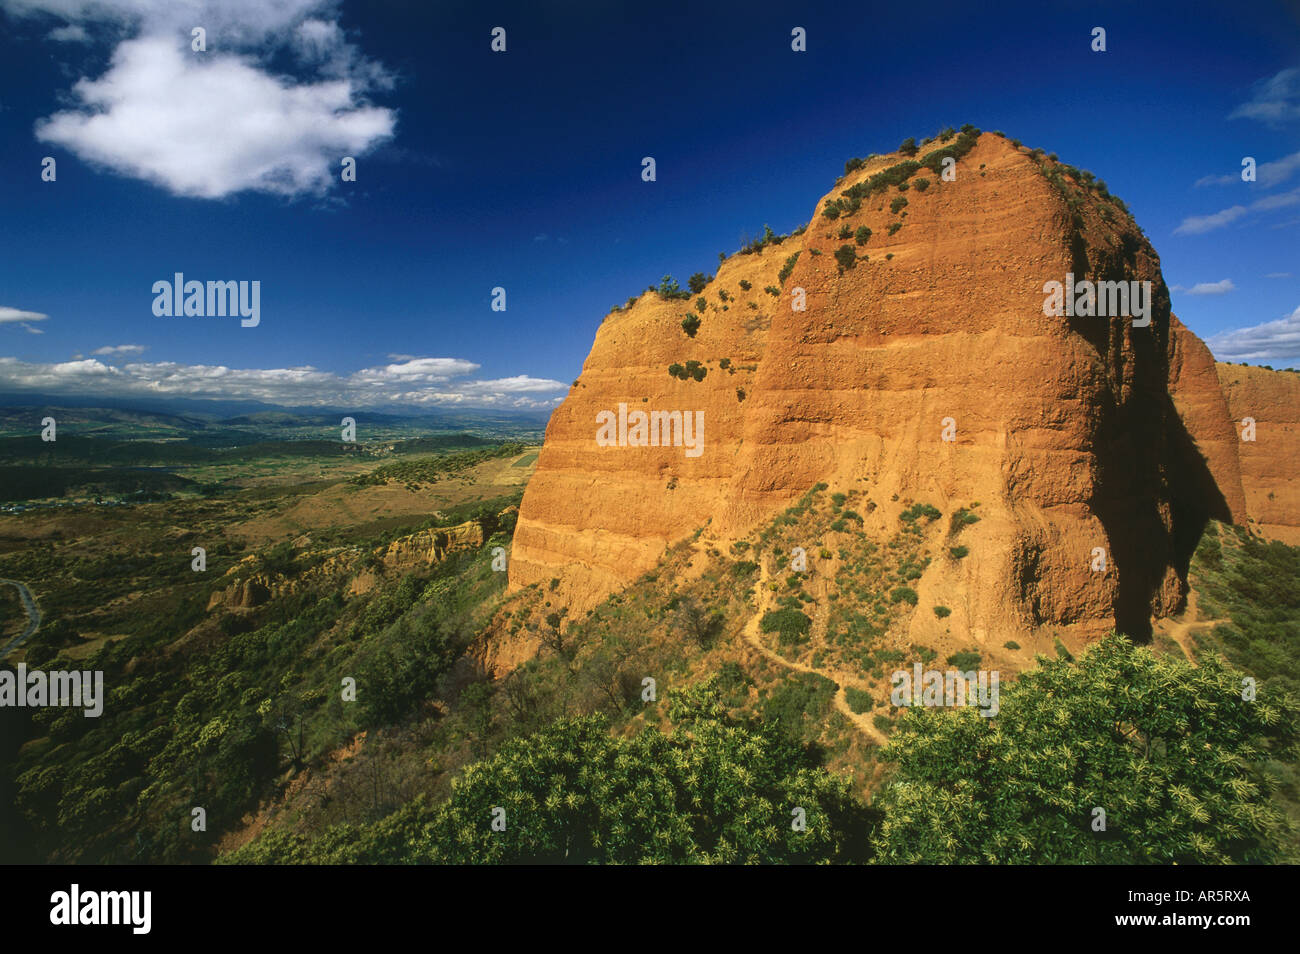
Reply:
x=753, y=636
x=1180, y=629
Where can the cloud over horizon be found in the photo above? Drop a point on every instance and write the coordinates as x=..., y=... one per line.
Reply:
x=1275, y=343
x=421, y=382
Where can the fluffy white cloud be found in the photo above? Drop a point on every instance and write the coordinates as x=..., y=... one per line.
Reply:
x=418, y=381
x=211, y=124
x=212, y=127
x=1274, y=342
x=119, y=349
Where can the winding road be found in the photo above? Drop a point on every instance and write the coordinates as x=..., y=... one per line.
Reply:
x=33, y=617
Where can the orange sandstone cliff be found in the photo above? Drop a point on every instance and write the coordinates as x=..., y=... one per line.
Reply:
x=1270, y=464
x=1072, y=433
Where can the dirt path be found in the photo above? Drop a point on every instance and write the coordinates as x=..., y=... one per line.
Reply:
x=753, y=636
x=1179, y=630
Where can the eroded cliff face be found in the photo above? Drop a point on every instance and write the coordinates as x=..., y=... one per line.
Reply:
x=1270, y=464
x=1073, y=433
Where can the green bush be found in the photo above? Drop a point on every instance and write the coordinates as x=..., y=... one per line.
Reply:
x=669, y=289
x=958, y=553
x=898, y=203
x=903, y=594
x=918, y=510
x=831, y=210
x=1011, y=644
x=698, y=281
x=942, y=612
x=701, y=303
x=908, y=146
x=965, y=660
x=791, y=625
x=922, y=184
x=846, y=256
x=862, y=235
x=788, y=267
x=690, y=325
x=858, y=700
x=746, y=286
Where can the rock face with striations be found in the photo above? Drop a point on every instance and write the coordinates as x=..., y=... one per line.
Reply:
x=1270, y=464
x=1073, y=433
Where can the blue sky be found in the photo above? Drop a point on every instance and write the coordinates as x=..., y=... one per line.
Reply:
x=522, y=170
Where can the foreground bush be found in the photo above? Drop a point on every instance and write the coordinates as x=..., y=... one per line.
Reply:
x=1171, y=753
x=714, y=790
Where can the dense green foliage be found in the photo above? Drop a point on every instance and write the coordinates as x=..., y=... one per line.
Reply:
x=1169, y=752
x=713, y=790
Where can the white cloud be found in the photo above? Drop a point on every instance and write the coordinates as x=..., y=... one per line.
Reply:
x=231, y=22
x=1273, y=342
x=213, y=124
x=1210, y=288
x=8, y=315
x=212, y=127
x=1199, y=224
x=119, y=349
x=1274, y=100
x=418, y=381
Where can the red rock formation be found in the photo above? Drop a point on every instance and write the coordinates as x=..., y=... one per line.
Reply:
x=1073, y=433
x=1270, y=464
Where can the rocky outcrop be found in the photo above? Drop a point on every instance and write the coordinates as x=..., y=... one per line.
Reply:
x=1270, y=464
x=1073, y=433
x=425, y=548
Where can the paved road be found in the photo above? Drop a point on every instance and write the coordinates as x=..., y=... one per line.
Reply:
x=33, y=617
